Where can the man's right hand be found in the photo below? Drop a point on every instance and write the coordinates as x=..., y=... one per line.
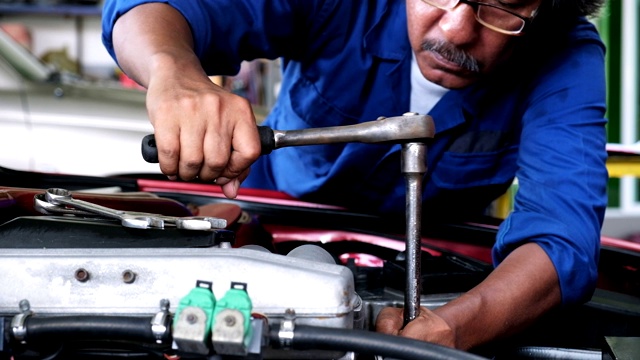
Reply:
x=201, y=129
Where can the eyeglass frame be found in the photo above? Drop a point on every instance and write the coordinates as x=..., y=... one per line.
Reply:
x=526, y=21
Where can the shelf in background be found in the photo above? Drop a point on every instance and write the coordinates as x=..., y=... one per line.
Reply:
x=59, y=10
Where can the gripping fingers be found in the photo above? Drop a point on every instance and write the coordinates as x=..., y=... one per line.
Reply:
x=191, y=154
x=216, y=152
x=390, y=321
x=168, y=154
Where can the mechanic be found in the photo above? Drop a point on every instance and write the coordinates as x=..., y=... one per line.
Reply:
x=516, y=89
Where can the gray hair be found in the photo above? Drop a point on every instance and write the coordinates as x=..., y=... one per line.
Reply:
x=557, y=15
x=588, y=8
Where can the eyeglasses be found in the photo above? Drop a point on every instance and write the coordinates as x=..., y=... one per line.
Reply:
x=490, y=15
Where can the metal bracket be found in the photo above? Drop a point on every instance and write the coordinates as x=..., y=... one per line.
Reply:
x=18, y=322
x=285, y=334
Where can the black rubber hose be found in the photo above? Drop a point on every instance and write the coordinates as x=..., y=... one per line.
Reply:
x=368, y=343
x=90, y=327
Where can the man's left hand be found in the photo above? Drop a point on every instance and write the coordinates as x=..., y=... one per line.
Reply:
x=427, y=326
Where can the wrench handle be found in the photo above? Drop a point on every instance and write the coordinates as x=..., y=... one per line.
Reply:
x=150, y=151
x=409, y=127
x=267, y=140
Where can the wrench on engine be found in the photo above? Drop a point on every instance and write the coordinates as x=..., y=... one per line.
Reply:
x=398, y=129
x=412, y=130
x=414, y=168
x=58, y=200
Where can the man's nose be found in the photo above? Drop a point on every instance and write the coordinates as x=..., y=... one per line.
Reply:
x=459, y=24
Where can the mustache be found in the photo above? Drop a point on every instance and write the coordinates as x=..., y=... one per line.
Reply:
x=452, y=54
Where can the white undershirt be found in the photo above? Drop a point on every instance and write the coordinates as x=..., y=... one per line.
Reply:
x=424, y=93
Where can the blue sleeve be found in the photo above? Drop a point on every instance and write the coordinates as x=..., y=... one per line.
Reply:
x=226, y=32
x=111, y=11
x=562, y=173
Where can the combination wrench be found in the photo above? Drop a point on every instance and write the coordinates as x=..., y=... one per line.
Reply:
x=60, y=201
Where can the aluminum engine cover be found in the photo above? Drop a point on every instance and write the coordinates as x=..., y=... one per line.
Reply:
x=133, y=281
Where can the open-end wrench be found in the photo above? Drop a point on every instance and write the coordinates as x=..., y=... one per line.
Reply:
x=411, y=130
x=42, y=206
x=60, y=201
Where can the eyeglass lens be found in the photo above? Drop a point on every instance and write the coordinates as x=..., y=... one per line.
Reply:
x=487, y=13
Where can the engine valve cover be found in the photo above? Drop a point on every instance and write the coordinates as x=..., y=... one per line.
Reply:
x=133, y=281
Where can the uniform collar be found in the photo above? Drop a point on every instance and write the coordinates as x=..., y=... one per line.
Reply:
x=458, y=106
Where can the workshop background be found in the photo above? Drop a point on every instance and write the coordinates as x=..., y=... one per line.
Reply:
x=65, y=35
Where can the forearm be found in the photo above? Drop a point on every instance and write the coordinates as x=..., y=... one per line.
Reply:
x=151, y=38
x=518, y=291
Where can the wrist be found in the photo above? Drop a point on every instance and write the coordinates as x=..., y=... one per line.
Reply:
x=460, y=315
x=171, y=63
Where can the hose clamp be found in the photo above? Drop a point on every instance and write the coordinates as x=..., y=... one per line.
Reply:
x=287, y=327
x=159, y=321
x=18, y=327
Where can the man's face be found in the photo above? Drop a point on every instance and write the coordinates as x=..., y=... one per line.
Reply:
x=452, y=48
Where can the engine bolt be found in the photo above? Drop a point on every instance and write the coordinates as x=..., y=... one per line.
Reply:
x=81, y=275
x=25, y=305
x=128, y=276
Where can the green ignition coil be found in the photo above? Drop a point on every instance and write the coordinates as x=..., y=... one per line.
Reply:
x=232, y=330
x=193, y=320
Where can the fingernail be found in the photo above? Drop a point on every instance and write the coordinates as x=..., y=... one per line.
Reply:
x=236, y=185
x=172, y=177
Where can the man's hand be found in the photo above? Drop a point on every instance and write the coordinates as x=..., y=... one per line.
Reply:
x=201, y=130
x=427, y=326
x=522, y=288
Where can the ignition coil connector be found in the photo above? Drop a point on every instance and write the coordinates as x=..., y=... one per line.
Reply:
x=194, y=318
x=232, y=330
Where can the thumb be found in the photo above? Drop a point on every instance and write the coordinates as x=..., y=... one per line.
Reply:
x=390, y=321
x=230, y=187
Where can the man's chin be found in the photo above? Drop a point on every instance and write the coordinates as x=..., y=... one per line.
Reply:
x=450, y=78
x=452, y=81
x=444, y=72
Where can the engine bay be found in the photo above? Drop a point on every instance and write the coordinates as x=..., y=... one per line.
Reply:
x=282, y=280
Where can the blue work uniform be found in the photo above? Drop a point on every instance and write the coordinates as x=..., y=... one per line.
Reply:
x=344, y=62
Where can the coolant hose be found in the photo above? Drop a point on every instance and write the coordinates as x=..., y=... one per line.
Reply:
x=307, y=337
x=89, y=327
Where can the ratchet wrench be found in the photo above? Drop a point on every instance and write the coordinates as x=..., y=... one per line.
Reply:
x=60, y=201
x=412, y=130
x=410, y=127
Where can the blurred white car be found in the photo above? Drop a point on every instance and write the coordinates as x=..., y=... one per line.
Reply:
x=62, y=123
